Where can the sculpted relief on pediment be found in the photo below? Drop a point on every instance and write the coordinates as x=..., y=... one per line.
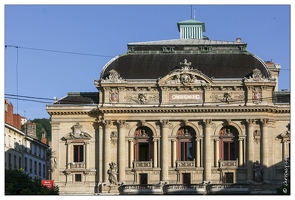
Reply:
x=186, y=75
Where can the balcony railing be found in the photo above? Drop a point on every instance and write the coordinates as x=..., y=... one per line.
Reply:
x=229, y=189
x=168, y=189
x=185, y=164
x=77, y=165
x=142, y=164
x=185, y=189
x=228, y=164
x=141, y=189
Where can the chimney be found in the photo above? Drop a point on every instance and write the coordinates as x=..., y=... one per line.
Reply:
x=31, y=129
x=238, y=39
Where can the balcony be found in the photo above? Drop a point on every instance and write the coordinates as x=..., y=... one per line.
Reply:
x=185, y=164
x=142, y=164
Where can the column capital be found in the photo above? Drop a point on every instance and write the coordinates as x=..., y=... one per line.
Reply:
x=122, y=124
x=207, y=121
x=131, y=140
x=107, y=123
x=165, y=123
x=250, y=122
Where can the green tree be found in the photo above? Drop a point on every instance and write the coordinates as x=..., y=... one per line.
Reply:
x=17, y=182
x=43, y=124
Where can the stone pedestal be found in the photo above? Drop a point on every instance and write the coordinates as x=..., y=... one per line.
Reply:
x=113, y=189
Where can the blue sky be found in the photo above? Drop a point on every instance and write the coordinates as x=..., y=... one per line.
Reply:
x=62, y=48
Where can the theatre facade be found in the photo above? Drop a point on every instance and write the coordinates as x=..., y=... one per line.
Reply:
x=189, y=115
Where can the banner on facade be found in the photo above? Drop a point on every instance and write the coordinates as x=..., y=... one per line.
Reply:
x=48, y=183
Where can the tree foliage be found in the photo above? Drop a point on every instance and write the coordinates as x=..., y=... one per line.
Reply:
x=17, y=182
x=43, y=124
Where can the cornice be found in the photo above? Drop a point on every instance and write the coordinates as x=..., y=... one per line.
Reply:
x=197, y=110
x=200, y=109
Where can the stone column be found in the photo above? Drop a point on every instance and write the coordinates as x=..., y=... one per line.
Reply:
x=250, y=151
x=121, y=150
x=174, y=153
x=216, y=151
x=198, y=153
x=131, y=153
x=100, y=153
x=106, y=149
x=207, y=150
x=155, y=153
x=164, y=150
x=86, y=154
x=241, y=152
x=69, y=154
x=264, y=148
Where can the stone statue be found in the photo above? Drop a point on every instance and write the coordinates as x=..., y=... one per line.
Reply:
x=113, y=173
x=257, y=171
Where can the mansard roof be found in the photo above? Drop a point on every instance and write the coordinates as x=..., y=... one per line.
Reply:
x=155, y=59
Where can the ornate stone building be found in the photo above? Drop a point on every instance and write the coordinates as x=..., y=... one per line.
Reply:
x=187, y=112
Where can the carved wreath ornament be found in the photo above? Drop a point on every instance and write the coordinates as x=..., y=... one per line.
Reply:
x=185, y=75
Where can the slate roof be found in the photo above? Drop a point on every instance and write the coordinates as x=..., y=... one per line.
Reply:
x=79, y=98
x=153, y=66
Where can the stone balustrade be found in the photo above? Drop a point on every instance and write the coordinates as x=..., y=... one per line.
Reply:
x=143, y=164
x=228, y=164
x=185, y=164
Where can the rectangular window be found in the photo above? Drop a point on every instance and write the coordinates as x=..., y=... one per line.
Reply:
x=78, y=178
x=39, y=169
x=26, y=164
x=78, y=153
x=14, y=161
x=186, y=151
x=35, y=167
x=19, y=162
x=143, y=179
x=43, y=171
x=31, y=166
x=143, y=154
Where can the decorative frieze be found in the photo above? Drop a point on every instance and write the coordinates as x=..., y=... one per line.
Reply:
x=142, y=98
x=227, y=97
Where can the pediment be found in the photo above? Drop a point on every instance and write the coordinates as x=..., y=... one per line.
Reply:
x=186, y=75
x=77, y=133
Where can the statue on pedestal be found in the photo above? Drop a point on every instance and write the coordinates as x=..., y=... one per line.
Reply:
x=113, y=173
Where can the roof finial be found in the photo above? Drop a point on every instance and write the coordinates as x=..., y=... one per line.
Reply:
x=191, y=11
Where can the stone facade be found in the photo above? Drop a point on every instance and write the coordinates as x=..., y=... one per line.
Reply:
x=185, y=127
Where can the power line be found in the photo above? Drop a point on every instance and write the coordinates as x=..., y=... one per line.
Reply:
x=57, y=51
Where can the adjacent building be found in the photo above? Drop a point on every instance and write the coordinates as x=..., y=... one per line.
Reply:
x=183, y=115
x=22, y=150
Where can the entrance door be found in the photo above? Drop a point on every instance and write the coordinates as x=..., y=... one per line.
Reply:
x=186, y=178
x=229, y=178
x=143, y=179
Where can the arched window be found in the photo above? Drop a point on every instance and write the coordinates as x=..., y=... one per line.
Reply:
x=229, y=146
x=143, y=144
x=186, y=148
